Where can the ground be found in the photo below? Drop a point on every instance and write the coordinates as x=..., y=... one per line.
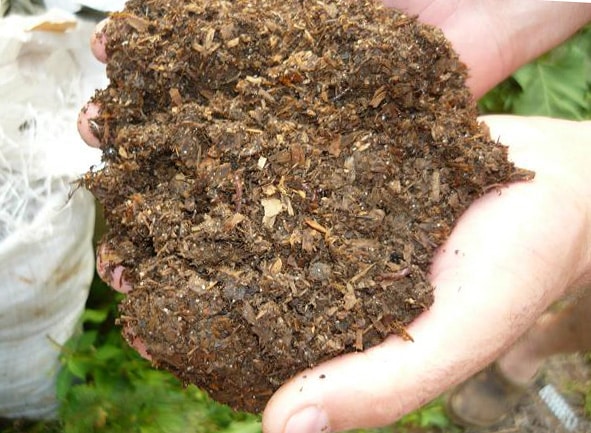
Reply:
x=571, y=376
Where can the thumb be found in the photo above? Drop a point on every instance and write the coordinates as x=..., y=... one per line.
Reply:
x=511, y=255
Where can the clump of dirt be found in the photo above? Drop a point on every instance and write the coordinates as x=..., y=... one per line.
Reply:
x=277, y=176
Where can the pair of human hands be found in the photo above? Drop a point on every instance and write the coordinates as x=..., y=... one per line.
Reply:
x=513, y=253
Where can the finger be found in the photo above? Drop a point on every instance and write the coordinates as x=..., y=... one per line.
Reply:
x=98, y=41
x=460, y=23
x=136, y=343
x=502, y=267
x=494, y=42
x=113, y=274
x=87, y=127
x=475, y=315
x=110, y=270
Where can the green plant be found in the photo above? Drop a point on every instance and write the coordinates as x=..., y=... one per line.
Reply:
x=557, y=84
x=105, y=386
x=431, y=416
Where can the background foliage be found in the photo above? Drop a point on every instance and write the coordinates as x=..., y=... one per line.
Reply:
x=104, y=386
x=558, y=84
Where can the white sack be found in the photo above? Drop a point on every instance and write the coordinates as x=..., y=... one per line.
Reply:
x=45, y=271
x=46, y=256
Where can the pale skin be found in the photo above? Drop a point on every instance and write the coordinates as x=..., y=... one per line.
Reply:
x=495, y=37
x=514, y=253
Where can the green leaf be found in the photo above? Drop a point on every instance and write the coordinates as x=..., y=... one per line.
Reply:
x=555, y=85
x=558, y=84
x=501, y=98
x=86, y=340
x=79, y=366
x=95, y=316
x=434, y=417
x=63, y=383
x=105, y=353
x=250, y=426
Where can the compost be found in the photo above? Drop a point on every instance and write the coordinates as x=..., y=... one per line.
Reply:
x=277, y=176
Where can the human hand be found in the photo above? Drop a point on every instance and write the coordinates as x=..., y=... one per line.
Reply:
x=498, y=301
x=361, y=389
x=507, y=260
x=514, y=252
x=494, y=39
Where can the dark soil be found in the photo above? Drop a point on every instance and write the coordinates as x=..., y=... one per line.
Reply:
x=277, y=176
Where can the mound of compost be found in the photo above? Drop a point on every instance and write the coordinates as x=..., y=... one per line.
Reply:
x=277, y=175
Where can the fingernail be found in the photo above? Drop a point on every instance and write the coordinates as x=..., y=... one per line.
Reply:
x=311, y=419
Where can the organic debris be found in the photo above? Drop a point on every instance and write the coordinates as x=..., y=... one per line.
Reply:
x=278, y=175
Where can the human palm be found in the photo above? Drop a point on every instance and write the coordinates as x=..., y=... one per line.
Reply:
x=513, y=253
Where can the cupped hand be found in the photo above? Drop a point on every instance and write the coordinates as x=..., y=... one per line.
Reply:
x=512, y=254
